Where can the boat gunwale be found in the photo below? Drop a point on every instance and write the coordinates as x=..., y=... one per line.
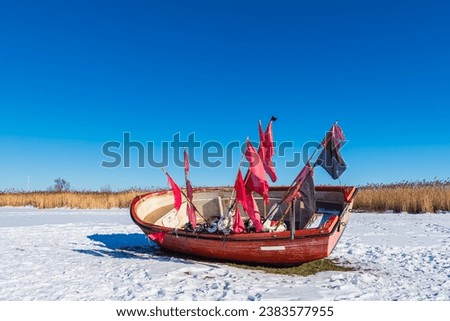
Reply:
x=247, y=237
x=349, y=192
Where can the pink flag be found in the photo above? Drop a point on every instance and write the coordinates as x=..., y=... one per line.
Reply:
x=241, y=197
x=190, y=209
x=256, y=181
x=266, y=150
x=338, y=136
x=253, y=212
x=186, y=163
x=176, y=192
x=238, y=224
x=157, y=237
x=294, y=192
x=239, y=187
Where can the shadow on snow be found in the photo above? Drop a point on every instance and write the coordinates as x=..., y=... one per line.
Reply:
x=132, y=246
x=123, y=246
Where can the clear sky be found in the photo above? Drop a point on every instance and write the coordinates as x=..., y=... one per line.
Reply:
x=75, y=75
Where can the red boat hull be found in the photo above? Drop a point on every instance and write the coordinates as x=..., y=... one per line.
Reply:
x=268, y=248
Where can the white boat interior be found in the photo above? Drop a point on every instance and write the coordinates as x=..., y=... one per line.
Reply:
x=158, y=208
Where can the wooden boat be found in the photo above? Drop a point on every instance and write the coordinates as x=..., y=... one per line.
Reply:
x=305, y=238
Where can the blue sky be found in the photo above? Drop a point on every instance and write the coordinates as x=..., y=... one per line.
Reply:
x=77, y=74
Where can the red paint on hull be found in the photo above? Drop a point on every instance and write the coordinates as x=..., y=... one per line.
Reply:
x=268, y=248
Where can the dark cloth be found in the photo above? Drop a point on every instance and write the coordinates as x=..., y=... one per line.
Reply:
x=308, y=193
x=331, y=160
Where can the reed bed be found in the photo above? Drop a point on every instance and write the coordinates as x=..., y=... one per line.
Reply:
x=411, y=197
x=70, y=199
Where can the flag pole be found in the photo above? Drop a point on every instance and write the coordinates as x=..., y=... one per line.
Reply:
x=187, y=199
x=234, y=191
x=232, y=196
x=247, y=175
x=272, y=119
x=324, y=141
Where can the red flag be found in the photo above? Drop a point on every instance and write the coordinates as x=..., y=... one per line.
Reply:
x=186, y=163
x=157, y=237
x=241, y=197
x=238, y=224
x=336, y=133
x=239, y=188
x=176, y=192
x=256, y=181
x=253, y=212
x=294, y=192
x=266, y=150
x=190, y=209
x=338, y=136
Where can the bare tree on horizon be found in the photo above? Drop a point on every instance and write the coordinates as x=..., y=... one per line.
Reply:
x=61, y=185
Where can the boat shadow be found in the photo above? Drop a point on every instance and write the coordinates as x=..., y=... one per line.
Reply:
x=135, y=246
x=122, y=246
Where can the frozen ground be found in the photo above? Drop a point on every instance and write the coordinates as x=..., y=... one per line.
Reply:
x=64, y=254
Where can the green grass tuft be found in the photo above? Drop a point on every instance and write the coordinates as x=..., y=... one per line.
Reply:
x=304, y=269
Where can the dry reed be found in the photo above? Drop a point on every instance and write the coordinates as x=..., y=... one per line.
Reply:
x=71, y=199
x=411, y=197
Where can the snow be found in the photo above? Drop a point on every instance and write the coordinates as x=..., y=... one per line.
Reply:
x=66, y=254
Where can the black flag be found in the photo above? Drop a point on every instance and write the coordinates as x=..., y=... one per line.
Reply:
x=308, y=193
x=330, y=158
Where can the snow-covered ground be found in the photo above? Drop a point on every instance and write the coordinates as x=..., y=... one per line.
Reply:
x=64, y=254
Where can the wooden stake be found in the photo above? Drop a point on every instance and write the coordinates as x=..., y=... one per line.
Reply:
x=293, y=220
x=188, y=200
